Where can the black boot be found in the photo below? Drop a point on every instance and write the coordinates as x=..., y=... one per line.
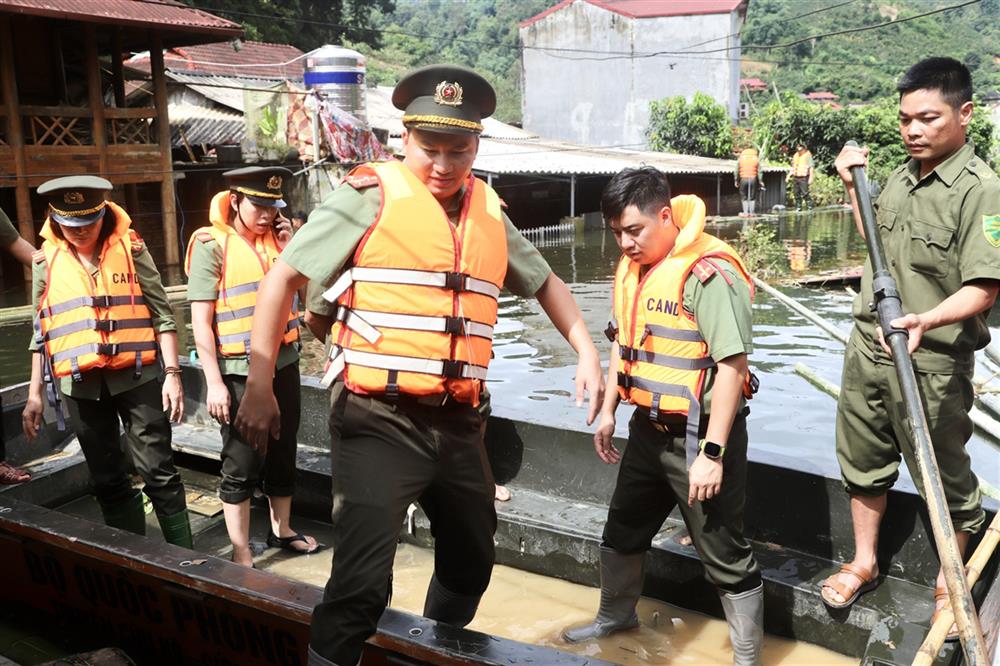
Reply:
x=449, y=607
x=621, y=585
x=745, y=616
x=127, y=514
x=315, y=659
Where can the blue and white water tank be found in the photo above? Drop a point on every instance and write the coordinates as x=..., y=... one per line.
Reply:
x=339, y=74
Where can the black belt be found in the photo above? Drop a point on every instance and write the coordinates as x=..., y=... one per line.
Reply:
x=435, y=401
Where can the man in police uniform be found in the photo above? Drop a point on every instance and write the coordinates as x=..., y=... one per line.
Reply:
x=99, y=397
x=390, y=448
x=939, y=216
x=696, y=462
x=21, y=250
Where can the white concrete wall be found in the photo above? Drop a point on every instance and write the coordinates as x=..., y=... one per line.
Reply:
x=601, y=99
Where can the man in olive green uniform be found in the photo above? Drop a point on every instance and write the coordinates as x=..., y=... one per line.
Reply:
x=391, y=450
x=939, y=218
x=655, y=475
x=96, y=399
x=21, y=249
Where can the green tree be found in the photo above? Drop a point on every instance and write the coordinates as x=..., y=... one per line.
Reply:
x=701, y=127
x=306, y=24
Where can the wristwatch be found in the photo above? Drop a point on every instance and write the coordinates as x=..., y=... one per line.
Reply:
x=712, y=450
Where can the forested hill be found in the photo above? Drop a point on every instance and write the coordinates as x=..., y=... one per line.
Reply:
x=864, y=66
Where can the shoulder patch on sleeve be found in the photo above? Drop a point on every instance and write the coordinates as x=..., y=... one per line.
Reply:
x=203, y=236
x=360, y=181
x=991, y=229
x=138, y=245
x=38, y=256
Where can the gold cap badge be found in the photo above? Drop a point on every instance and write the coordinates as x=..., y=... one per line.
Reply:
x=449, y=94
x=73, y=198
x=274, y=183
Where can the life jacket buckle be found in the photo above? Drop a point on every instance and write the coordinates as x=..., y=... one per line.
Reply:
x=455, y=281
x=629, y=354
x=624, y=381
x=611, y=332
x=454, y=325
x=103, y=301
x=452, y=369
x=107, y=349
x=106, y=325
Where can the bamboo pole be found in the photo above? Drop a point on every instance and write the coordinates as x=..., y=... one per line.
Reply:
x=931, y=646
x=990, y=613
x=794, y=305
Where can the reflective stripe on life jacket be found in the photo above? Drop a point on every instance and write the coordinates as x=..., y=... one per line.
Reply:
x=86, y=322
x=748, y=163
x=243, y=267
x=801, y=164
x=662, y=355
x=418, y=306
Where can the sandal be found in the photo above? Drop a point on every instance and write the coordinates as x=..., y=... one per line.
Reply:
x=274, y=541
x=941, y=593
x=10, y=475
x=868, y=583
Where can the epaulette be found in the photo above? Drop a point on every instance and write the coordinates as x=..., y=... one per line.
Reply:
x=706, y=268
x=980, y=168
x=138, y=245
x=38, y=256
x=203, y=236
x=360, y=181
x=503, y=204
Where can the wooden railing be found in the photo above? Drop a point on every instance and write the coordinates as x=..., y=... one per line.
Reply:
x=73, y=126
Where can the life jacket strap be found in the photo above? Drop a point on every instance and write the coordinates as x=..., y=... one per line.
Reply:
x=448, y=368
x=238, y=290
x=660, y=389
x=667, y=333
x=102, y=325
x=457, y=282
x=104, y=349
x=632, y=354
x=103, y=302
x=364, y=322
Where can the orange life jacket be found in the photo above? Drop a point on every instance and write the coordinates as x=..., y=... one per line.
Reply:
x=86, y=323
x=748, y=163
x=418, y=306
x=662, y=355
x=801, y=164
x=243, y=267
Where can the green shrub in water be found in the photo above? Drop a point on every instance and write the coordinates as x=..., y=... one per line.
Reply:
x=762, y=252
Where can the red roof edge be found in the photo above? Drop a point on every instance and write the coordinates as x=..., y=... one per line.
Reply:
x=736, y=5
x=538, y=17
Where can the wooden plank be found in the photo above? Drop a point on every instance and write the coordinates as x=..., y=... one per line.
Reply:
x=15, y=135
x=60, y=111
x=167, y=195
x=99, y=128
x=132, y=112
x=117, y=70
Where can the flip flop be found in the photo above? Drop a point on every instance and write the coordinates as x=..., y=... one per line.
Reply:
x=285, y=543
x=868, y=583
x=939, y=594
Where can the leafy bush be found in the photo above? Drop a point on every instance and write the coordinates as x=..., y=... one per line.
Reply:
x=761, y=251
x=699, y=127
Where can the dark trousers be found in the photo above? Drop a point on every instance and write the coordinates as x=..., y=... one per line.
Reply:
x=748, y=189
x=148, y=437
x=802, y=192
x=242, y=466
x=385, y=457
x=653, y=479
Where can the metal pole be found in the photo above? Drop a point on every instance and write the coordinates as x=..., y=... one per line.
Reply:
x=890, y=307
x=718, y=195
x=315, y=127
x=572, y=195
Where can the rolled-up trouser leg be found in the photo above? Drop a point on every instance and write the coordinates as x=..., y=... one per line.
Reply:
x=745, y=616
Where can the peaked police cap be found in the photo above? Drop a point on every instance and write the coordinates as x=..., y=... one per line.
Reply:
x=445, y=98
x=262, y=185
x=76, y=201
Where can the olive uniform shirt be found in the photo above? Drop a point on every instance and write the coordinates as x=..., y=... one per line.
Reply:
x=162, y=315
x=322, y=248
x=8, y=233
x=203, y=285
x=939, y=232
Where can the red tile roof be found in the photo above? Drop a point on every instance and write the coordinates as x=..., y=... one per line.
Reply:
x=651, y=8
x=253, y=60
x=821, y=95
x=753, y=84
x=165, y=15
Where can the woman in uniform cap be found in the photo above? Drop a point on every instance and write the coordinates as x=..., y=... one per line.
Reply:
x=103, y=323
x=225, y=262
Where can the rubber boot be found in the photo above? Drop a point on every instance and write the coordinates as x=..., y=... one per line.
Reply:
x=745, y=616
x=177, y=529
x=621, y=585
x=449, y=607
x=127, y=514
x=315, y=659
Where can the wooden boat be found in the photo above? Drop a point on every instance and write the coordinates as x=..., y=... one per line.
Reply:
x=175, y=606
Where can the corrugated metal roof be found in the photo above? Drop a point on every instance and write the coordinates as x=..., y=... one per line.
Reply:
x=203, y=125
x=166, y=16
x=253, y=60
x=561, y=158
x=225, y=90
x=650, y=8
x=383, y=115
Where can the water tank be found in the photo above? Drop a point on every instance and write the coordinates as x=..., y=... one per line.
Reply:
x=339, y=74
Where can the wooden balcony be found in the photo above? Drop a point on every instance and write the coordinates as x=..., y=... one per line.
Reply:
x=60, y=141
